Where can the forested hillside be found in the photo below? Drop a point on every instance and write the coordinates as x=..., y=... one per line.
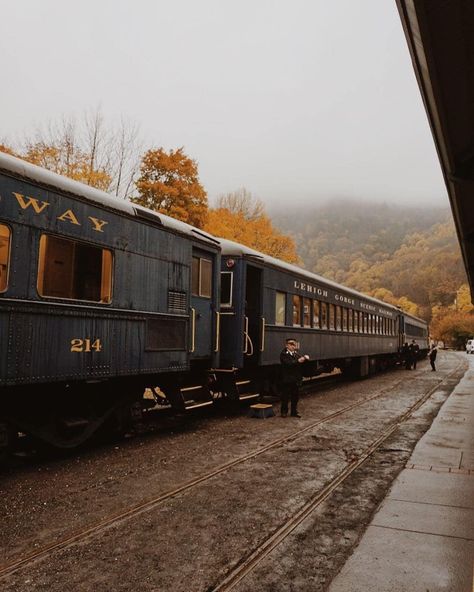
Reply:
x=403, y=254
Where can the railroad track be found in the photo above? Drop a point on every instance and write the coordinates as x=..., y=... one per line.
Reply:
x=249, y=563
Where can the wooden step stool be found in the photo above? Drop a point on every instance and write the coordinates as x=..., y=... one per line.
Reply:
x=261, y=410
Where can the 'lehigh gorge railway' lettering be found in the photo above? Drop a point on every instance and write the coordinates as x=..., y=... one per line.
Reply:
x=67, y=216
x=310, y=289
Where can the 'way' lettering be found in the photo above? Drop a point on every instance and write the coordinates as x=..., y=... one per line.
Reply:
x=38, y=206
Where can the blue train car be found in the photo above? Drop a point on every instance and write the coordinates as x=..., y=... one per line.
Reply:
x=99, y=298
x=264, y=301
x=412, y=327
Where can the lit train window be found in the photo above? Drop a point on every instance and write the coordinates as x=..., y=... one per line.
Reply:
x=226, y=288
x=280, y=308
x=365, y=326
x=332, y=317
x=324, y=315
x=338, y=318
x=356, y=321
x=5, y=237
x=316, y=308
x=344, y=319
x=201, y=277
x=73, y=270
x=296, y=310
x=350, y=317
x=306, y=312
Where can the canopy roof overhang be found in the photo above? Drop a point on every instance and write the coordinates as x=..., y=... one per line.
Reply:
x=440, y=36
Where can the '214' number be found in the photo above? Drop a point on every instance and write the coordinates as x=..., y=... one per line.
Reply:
x=85, y=345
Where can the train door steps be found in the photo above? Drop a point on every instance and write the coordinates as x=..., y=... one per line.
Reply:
x=261, y=410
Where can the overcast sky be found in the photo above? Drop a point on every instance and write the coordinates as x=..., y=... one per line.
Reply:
x=293, y=100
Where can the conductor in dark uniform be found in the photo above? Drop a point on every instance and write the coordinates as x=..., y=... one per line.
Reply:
x=414, y=353
x=291, y=377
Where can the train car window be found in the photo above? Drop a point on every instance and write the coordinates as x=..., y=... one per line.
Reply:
x=206, y=278
x=324, y=315
x=73, y=270
x=316, y=318
x=344, y=319
x=201, y=280
x=306, y=312
x=350, y=320
x=338, y=318
x=356, y=321
x=280, y=308
x=227, y=280
x=5, y=238
x=296, y=310
x=365, y=323
x=332, y=317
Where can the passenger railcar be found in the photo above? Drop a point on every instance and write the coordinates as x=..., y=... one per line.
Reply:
x=264, y=301
x=99, y=298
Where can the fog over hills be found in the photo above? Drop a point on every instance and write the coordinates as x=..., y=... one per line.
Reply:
x=411, y=251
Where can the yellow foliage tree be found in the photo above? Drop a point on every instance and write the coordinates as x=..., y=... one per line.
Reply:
x=463, y=299
x=7, y=150
x=403, y=302
x=169, y=183
x=244, y=221
x=454, y=327
x=90, y=152
x=67, y=159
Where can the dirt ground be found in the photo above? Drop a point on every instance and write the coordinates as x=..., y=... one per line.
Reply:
x=190, y=541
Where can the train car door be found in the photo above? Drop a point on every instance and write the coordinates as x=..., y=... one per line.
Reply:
x=202, y=293
x=253, y=316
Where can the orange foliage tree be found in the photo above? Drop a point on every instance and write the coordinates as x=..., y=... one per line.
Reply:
x=454, y=327
x=169, y=183
x=244, y=221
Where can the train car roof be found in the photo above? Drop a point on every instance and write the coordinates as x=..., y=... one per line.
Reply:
x=20, y=168
x=232, y=248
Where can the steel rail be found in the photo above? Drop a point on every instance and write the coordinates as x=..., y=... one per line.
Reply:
x=235, y=576
x=10, y=567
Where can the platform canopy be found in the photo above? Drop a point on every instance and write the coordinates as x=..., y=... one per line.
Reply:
x=440, y=36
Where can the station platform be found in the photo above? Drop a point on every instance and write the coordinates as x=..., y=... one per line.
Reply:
x=421, y=539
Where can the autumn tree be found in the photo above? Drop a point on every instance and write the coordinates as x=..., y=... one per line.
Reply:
x=7, y=149
x=454, y=327
x=241, y=217
x=242, y=202
x=91, y=151
x=169, y=183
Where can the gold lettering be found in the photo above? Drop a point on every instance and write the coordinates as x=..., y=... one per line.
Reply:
x=97, y=223
x=69, y=215
x=30, y=201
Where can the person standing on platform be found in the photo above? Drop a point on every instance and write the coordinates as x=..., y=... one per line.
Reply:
x=414, y=353
x=406, y=356
x=432, y=355
x=291, y=377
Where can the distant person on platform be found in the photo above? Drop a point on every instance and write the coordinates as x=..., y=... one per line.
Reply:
x=291, y=377
x=432, y=355
x=406, y=355
x=414, y=353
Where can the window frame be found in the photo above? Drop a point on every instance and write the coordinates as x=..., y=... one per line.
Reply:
x=277, y=294
x=4, y=287
x=231, y=290
x=106, y=281
x=200, y=293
